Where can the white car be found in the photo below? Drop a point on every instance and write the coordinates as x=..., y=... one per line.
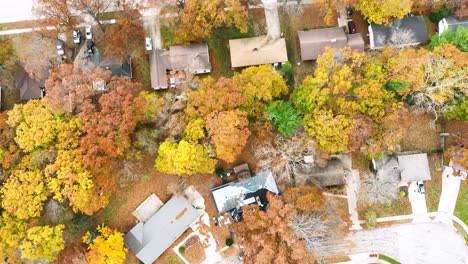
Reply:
x=60, y=50
x=148, y=44
x=89, y=33
x=76, y=36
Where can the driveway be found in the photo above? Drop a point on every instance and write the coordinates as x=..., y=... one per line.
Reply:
x=418, y=204
x=272, y=18
x=448, y=196
x=414, y=243
x=352, y=188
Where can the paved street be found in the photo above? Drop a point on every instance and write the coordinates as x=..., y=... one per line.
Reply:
x=415, y=243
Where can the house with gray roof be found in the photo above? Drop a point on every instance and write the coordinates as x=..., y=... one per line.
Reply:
x=150, y=238
x=116, y=65
x=333, y=174
x=408, y=31
x=313, y=42
x=403, y=167
x=452, y=23
x=236, y=194
x=28, y=87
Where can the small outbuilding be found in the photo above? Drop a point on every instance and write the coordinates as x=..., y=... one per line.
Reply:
x=313, y=42
x=452, y=23
x=257, y=51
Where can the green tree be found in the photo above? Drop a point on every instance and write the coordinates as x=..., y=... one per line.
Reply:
x=43, y=242
x=284, y=117
x=458, y=38
x=457, y=110
x=183, y=158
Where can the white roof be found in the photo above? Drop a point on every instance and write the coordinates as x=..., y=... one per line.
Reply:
x=414, y=167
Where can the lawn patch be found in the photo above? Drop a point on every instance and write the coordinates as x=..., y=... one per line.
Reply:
x=461, y=208
x=389, y=259
x=167, y=35
x=113, y=206
x=141, y=68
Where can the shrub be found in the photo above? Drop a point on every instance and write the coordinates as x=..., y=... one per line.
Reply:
x=371, y=219
x=229, y=242
x=219, y=171
x=402, y=193
x=181, y=250
x=284, y=117
x=458, y=38
x=287, y=71
x=457, y=110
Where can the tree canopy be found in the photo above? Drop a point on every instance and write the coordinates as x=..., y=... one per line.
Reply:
x=107, y=247
x=43, y=242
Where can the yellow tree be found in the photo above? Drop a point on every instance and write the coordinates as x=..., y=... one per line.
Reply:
x=260, y=85
x=107, y=248
x=382, y=11
x=331, y=131
x=43, y=242
x=12, y=231
x=228, y=132
x=24, y=193
x=183, y=158
x=35, y=125
x=194, y=131
x=199, y=18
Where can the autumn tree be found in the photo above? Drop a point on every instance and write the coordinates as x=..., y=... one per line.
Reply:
x=125, y=36
x=107, y=247
x=199, y=18
x=305, y=198
x=457, y=110
x=328, y=9
x=445, y=80
x=382, y=12
x=43, y=242
x=24, y=193
x=214, y=95
x=7, y=53
x=284, y=117
x=56, y=13
x=9, y=151
x=260, y=85
x=109, y=124
x=183, y=158
x=228, y=132
x=267, y=236
x=67, y=87
x=12, y=232
x=35, y=125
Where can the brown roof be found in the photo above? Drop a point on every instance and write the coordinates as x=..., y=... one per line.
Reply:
x=29, y=88
x=332, y=174
x=193, y=58
x=257, y=51
x=313, y=42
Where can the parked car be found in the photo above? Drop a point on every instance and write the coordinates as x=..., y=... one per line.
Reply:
x=89, y=33
x=90, y=46
x=351, y=27
x=76, y=36
x=420, y=186
x=60, y=50
x=148, y=43
x=349, y=11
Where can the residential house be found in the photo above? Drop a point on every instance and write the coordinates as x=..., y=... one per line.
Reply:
x=116, y=65
x=160, y=226
x=403, y=167
x=313, y=42
x=28, y=87
x=452, y=23
x=257, y=51
x=408, y=31
x=166, y=65
x=334, y=174
x=252, y=190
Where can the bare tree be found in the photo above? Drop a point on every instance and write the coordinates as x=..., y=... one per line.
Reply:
x=93, y=8
x=444, y=82
x=56, y=13
x=377, y=189
x=284, y=154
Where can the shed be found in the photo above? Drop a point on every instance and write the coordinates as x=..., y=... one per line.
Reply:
x=407, y=31
x=148, y=208
x=149, y=240
x=257, y=51
x=452, y=23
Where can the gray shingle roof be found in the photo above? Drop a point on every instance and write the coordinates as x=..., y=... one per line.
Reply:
x=149, y=240
x=414, y=167
x=233, y=194
x=332, y=174
x=380, y=35
x=29, y=88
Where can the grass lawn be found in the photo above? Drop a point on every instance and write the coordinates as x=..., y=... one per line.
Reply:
x=112, y=207
x=434, y=186
x=388, y=259
x=401, y=206
x=141, y=68
x=461, y=208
